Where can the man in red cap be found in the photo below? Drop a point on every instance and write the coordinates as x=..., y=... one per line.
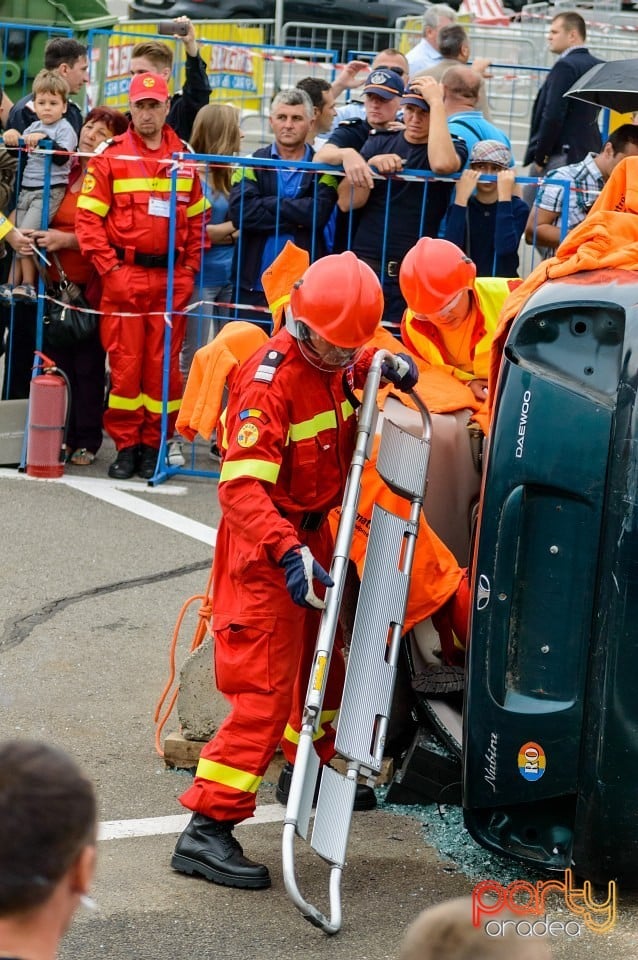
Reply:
x=123, y=227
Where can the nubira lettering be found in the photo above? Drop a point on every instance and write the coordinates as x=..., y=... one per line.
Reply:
x=490, y=761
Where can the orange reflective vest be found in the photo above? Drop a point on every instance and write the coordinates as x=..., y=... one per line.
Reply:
x=423, y=337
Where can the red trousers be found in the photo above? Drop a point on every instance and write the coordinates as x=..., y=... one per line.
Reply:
x=262, y=668
x=135, y=347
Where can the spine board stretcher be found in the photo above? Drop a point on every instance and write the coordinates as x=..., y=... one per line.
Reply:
x=402, y=463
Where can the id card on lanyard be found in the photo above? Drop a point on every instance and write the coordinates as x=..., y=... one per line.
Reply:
x=158, y=207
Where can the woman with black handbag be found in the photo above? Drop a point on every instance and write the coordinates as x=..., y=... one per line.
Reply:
x=83, y=360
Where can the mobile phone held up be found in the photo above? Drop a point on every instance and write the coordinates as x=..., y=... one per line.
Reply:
x=169, y=28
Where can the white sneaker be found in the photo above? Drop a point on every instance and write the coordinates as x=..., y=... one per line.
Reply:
x=175, y=455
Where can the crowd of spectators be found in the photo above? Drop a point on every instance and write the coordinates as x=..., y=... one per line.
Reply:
x=426, y=112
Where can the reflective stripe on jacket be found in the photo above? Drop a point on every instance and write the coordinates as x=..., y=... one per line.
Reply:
x=114, y=206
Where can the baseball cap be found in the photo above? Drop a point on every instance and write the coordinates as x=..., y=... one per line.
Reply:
x=491, y=151
x=413, y=97
x=147, y=86
x=384, y=83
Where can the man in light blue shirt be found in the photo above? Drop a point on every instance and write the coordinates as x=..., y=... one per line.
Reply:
x=461, y=88
x=426, y=52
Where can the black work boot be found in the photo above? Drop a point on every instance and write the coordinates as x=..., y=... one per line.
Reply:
x=364, y=797
x=207, y=847
x=125, y=464
x=148, y=461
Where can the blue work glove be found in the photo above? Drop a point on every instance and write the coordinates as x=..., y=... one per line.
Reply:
x=300, y=567
x=404, y=373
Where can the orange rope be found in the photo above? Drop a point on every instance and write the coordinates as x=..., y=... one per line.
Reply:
x=201, y=630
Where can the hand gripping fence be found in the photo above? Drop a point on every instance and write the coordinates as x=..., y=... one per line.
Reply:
x=402, y=463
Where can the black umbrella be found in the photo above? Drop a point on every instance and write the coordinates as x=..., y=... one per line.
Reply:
x=613, y=84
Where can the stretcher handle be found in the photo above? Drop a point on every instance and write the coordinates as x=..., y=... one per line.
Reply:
x=329, y=924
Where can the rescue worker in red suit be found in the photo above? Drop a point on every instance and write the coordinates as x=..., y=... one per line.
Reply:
x=289, y=438
x=123, y=227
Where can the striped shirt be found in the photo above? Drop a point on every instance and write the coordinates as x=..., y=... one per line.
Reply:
x=586, y=183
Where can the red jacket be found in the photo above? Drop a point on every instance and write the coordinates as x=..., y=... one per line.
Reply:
x=290, y=432
x=113, y=207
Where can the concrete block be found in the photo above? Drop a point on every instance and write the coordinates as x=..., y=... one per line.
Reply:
x=13, y=415
x=200, y=706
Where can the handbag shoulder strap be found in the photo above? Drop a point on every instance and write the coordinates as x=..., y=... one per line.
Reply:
x=44, y=273
x=58, y=266
x=46, y=276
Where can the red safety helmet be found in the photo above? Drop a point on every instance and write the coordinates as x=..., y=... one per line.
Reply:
x=433, y=272
x=340, y=298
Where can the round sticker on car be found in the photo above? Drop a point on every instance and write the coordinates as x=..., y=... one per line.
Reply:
x=531, y=761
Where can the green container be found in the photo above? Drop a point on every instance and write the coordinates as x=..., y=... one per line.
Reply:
x=78, y=15
x=22, y=43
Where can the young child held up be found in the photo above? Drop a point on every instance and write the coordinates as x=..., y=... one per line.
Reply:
x=50, y=96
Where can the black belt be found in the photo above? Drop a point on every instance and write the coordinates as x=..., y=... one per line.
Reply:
x=310, y=521
x=391, y=269
x=142, y=259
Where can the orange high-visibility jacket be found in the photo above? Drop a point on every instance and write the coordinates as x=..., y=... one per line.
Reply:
x=214, y=366
x=607, y=239
x=423, y=337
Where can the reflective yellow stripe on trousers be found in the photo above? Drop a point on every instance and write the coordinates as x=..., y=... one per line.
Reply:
x=326, y=716
x=141, y=400
x=228, y=776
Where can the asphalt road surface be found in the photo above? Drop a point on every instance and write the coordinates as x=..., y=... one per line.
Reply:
x=93, y=575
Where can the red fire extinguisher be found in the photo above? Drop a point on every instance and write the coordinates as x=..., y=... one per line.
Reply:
x=49, y=405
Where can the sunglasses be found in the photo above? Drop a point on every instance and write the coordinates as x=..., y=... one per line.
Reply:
x=398, y=70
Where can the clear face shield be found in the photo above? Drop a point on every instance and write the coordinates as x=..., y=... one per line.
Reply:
x=450, y=314
x=316, y=350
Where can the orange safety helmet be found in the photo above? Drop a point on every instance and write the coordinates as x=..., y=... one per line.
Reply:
x=433, y=272
x=340, y=298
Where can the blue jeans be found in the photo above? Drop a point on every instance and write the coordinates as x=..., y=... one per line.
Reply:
x=204, y=321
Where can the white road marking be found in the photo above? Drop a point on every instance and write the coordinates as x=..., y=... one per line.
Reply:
x=139, y=486
x=157, y=826
x=111, y=493
x=114, y=492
